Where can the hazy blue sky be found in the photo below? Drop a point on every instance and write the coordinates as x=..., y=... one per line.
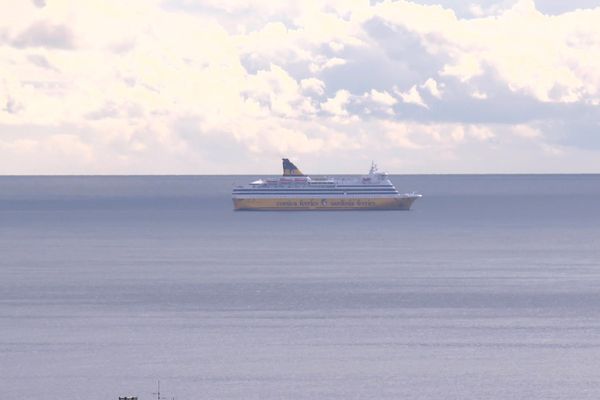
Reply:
x=221, y=86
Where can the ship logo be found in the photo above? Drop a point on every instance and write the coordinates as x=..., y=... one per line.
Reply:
x=289, y=169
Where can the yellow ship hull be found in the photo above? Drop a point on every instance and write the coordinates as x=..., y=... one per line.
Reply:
x=324, y=204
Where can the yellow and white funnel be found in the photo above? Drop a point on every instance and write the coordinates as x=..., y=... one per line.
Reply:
x=289, y=169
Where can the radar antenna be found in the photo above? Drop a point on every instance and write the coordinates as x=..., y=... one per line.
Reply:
x=373, y=168
x=157, y=393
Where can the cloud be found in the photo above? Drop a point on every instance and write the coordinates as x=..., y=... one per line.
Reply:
x=45, y=34
x=472, y=9
x=313, y=85
x=375, y=103
x=337, y=104
x=478, y=94
x=383, y=97
x=555, y=7
x=41, y=61
x=322, y=64
x=212, y=86
x=113, y=110
x=530, y=51
x=526, y=131
x=433, y=88
x=412, y=96
x=279, y=91
x=12, y=106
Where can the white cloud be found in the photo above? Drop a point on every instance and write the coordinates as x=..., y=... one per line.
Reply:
x=479, y=132
x=337, y=104
x=382, y=97
x=322, y=64
x=548, y=57
x=432, y=86
x=282, y=92
x=376, y=101
x=337, y=47
x=313, y=85
x=107, y=84
x=526, y=132
x=412, y=96
x=399, y=135
x=477, y=94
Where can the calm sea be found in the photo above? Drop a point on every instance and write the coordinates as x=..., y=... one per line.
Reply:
x=488, y=289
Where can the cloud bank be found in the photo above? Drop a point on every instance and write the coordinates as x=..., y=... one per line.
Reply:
x=191, y=86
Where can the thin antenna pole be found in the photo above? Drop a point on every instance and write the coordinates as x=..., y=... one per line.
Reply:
x=158, y=392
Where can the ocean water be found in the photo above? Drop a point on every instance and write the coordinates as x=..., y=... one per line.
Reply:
x=489, y=288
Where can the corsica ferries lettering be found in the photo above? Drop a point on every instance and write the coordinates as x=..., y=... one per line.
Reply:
x=326, y=203
x=296, y=191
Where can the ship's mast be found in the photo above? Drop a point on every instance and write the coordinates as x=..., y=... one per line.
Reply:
x=373, y=168
x=157, y=393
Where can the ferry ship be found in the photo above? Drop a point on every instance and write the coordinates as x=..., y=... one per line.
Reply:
x=296, y=191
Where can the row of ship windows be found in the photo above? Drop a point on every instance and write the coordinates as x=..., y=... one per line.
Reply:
x=309, y=188
x=318, y=193
x=315, y=190
x=336, y=186
x=365, y=185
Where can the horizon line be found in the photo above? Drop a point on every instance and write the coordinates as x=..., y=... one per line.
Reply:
x=322, y=174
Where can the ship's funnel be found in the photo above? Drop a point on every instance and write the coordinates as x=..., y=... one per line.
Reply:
x=289, y=169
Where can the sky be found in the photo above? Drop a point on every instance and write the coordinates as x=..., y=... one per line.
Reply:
x=231, y=87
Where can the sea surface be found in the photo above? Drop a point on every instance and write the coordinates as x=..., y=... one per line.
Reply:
x=489, y=288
